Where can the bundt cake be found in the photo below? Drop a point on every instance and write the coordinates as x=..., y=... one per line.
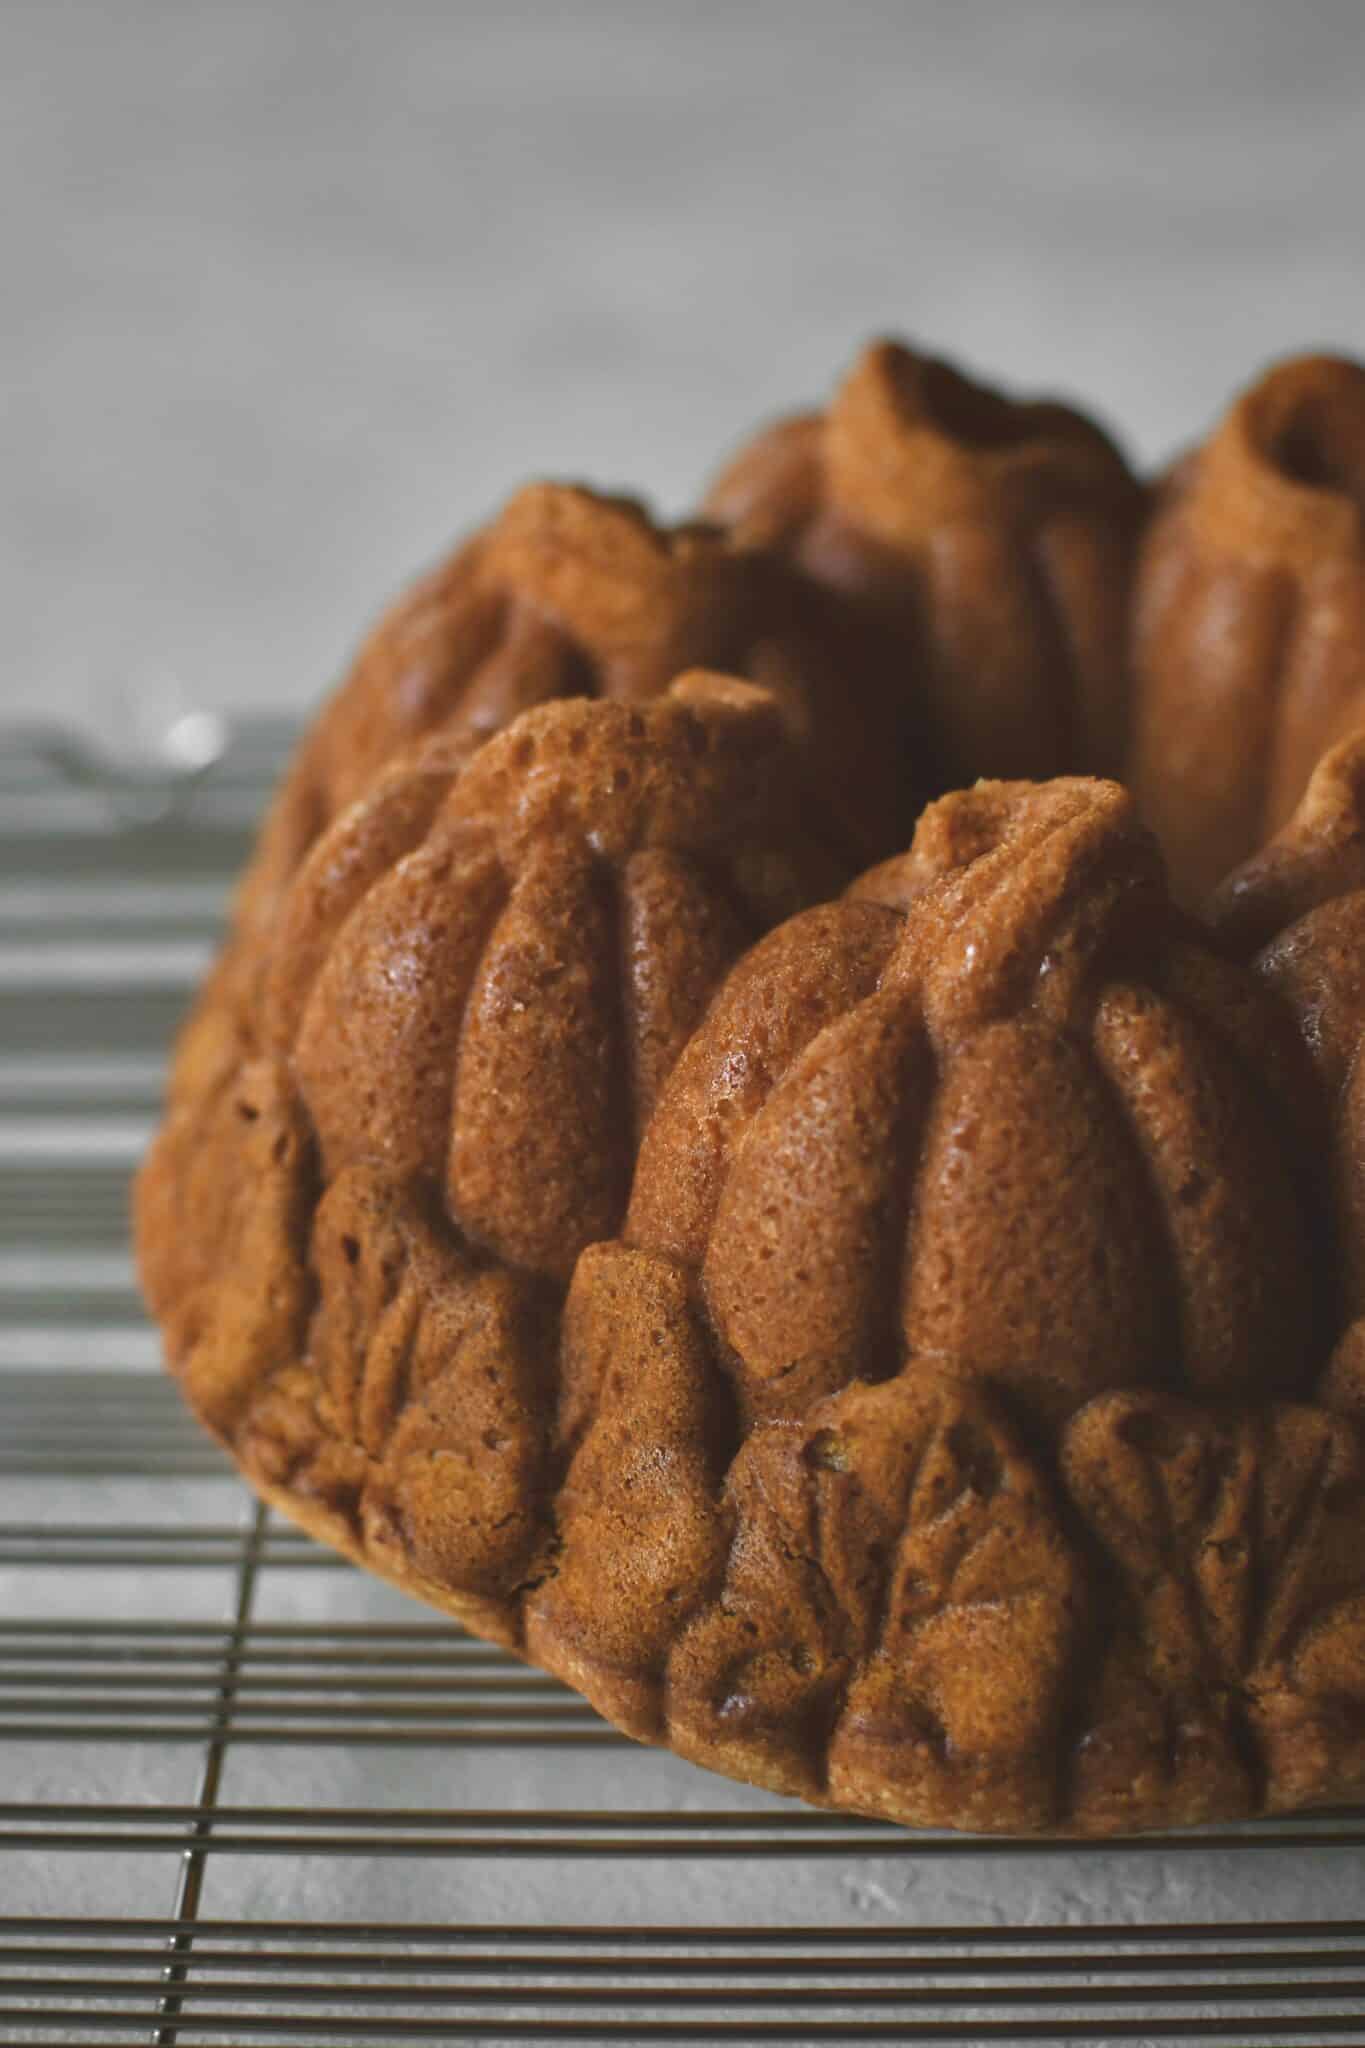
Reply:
x=1249, y=618
x=894, y=1333
x=981, y=545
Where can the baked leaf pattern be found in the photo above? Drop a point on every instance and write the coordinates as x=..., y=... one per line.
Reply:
x=896, y=1624
x=405, y=1403
x=226, y=1195
x=1237, y=1544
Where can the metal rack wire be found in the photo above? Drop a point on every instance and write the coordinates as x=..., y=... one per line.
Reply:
x=248, y=1795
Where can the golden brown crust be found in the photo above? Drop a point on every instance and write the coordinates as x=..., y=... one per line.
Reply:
x=1234, y=1537
x=228, y=1189
x=393, y=1126
x=1298, y=909
x=1249, y=619
x=1012, y=1140
x=981, y=543
x=483, y=972
x=640, y=1530
x=572, y=594
x=903, y=1347
x=898, y=1615
x=868, y=1533
x=1316, y=858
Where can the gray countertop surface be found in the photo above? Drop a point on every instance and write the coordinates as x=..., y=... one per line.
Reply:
x=293, y=292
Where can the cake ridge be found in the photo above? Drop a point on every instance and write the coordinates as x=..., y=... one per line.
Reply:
x=1249, y=605
x=897, y=1336
x=987, y=566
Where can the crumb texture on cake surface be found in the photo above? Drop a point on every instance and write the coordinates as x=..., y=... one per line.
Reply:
x=984, y=545
x=1248, y=642
x=569, y=594
x=878, y=1306
x=1023, y=1138
x=753, y=1466
x=1297, y=910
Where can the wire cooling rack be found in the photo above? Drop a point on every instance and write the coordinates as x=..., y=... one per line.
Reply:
x=247, y=1794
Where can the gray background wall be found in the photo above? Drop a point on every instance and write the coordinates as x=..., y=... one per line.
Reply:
x=293, y=291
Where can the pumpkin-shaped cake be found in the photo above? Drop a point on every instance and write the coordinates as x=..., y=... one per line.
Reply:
x=970, y=1226
x=980, y=543
x=932, y=1433
x=1027, y=1124
x=476, y=984
x=878, y=1309
x=1249, y=618
x=569, y=594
